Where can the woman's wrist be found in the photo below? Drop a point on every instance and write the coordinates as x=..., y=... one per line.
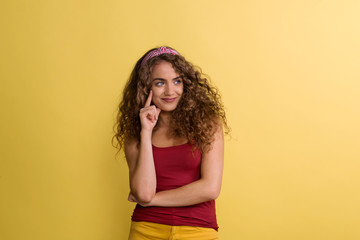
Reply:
x=145, y=135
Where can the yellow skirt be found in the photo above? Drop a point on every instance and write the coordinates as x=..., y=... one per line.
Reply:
x=151, y=231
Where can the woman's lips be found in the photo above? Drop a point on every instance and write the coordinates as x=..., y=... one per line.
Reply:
x=169, y=100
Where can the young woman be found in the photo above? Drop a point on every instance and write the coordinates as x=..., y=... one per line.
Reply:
x=170, y=124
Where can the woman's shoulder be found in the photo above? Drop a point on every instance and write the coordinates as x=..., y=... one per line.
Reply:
x=131, y=145
x=216, y=123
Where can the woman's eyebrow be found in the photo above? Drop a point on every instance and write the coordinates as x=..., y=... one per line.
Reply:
x=163, y=79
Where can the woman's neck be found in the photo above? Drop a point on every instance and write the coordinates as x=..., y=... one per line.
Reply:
x=164, y=119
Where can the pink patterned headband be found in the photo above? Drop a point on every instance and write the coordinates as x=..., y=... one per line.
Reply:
x=157, y=52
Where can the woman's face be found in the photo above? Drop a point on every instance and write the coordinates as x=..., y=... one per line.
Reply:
x=167, y=86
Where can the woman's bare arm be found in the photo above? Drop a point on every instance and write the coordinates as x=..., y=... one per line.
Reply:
x=140, y=159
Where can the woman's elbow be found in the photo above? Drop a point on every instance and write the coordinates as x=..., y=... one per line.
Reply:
x=214, y=193
x=143, y=192
x=144, y=196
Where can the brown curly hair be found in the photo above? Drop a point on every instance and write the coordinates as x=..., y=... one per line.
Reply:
x=197, y=115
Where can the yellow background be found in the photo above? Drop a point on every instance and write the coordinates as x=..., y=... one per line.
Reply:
x=288, y=71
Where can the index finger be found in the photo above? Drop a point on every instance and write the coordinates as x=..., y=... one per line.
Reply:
x=148, y=100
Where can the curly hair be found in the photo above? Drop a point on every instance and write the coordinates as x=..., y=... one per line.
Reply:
x=197, y=116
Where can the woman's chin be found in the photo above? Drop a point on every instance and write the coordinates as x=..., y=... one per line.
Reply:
x=167, y=108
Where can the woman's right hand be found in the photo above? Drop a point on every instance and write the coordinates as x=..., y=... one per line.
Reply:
x=149, y=115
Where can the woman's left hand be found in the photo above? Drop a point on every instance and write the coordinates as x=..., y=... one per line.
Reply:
x=131, y=198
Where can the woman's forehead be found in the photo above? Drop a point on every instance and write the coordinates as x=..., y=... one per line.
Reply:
x=163, y=69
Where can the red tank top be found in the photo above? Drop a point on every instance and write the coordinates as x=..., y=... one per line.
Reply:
x=177, y=166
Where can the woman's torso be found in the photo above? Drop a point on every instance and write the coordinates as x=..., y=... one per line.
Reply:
x=177, y=166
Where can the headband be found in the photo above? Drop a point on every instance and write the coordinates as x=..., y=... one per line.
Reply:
x=157, y=52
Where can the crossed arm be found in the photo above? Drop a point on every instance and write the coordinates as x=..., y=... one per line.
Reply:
x=143, y=178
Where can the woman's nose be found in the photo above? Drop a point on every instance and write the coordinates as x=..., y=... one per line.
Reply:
x=169, y=90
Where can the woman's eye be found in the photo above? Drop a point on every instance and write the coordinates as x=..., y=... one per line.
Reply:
x=177, y=81
x=159, y=83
